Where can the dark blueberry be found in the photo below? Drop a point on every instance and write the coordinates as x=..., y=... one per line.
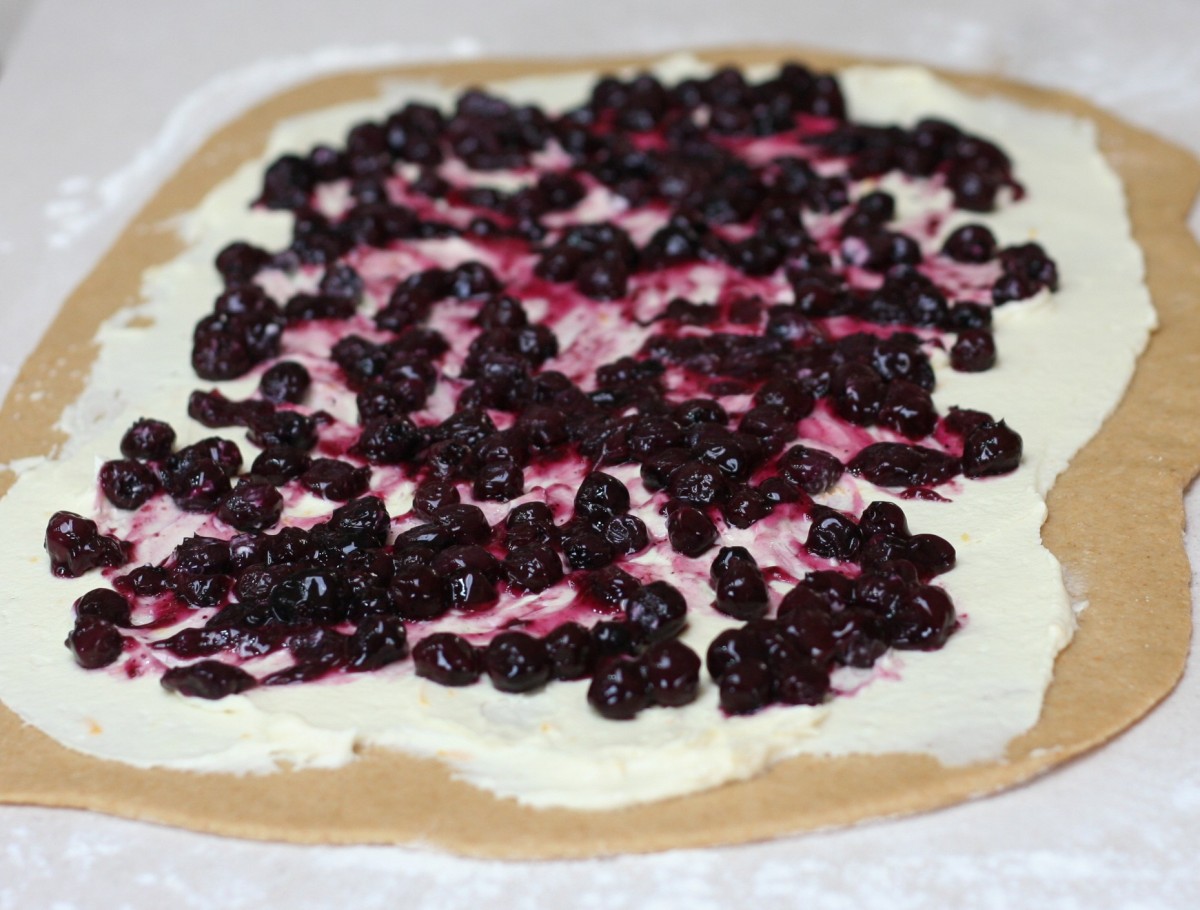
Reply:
x=545, y=427
x=144, y=581
x=777, y=490
x=341, y=280
x=970, y=243
x=472, y=279
x=75, y=545
x=209, y=679
x=586, y=549
x=857, y=391
x=148, y=440
x=617, y=638
x=930, y=554
x=602, y=278
x=534, y=568
x=610, y=589
x=700, y=410
x=923, y=621
x=690, y=531
x=289, y=545
x=811, y=470
x=698, y=482
x=466, y=524
x=254, y=505
x=287, y=184
x=467, y=557
x=1014, y=287
x=673, y=673
x=201, y=555
x=733, y=646
x=517, y=662
x=883, y=518
x=311, y=596
x=801, y=683
x=809, y=627
x=991, y=449
x=1028, y=262
x=601, y=496
x=974, y=351
x=239, y=262
x=788, y=395
x=966, y=315
x=657, y=470
x=620, y=690
x=658, y=609
x=726, y=559
x=449, y=459
x=336, y=480
x=745, y=687
x=570, y=651
x=652, y=434
x=215, y=410
x=447, y=659
x=501, y=312
x=302, y=307
x=366, y=518
x=908, y=409
x=471, y=589
x=626, y=534
x=279, y=464
x=387, y=440
x=284, y=428
x=127, y=484
x=963, y=422
x=95, y=642
x=741, y=591
x=833, y=535
x=106, y=604
x=200, y=590
x=859, y=636
x=745, y=506
x=377, y=641
x=286, y=381
x=529, y=512
x=431, y=495
x=418, y=593
x=894, y=464
x=499, y=481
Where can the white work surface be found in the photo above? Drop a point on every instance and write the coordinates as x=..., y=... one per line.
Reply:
x=100, y=101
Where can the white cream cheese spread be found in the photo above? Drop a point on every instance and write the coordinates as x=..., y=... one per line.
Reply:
x=1064, y=362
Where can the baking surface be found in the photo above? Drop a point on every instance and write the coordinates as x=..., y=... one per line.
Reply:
x=1085, y=821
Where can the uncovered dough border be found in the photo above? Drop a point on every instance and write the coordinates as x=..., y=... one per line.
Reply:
x=1127, y=655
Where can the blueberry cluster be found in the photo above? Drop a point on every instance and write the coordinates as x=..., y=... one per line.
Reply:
x=809, y=327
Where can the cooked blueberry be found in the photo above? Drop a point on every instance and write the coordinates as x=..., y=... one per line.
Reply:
x=601, y=496
x=470, y=589
x=742, y=592
x=698, y=482
x=924, y=620
x=673, y=673
x=991, y=449
x=620, y=690
x=690, y=531
x=95, y=642
x=745, y=687
x=658, y=609
x=148, y=440
x=208, y=679
x=517, y=662
x=499, y=481
x=908, y=409
x=534, y=568
x=833, y=535
x=801, y=683
x=377, y=641
x=286, y=381
x=335, y=480
x=626, y=534
x=418, y=593
x=974, y=351
x=254, y=505
x=812, y=470
x=279, y=464
x=75, y=545
x=570, y=651
x=447, y=659
x=587, y=549
x=466, y=524
x=127, y=484
x=883, y=518
x=970, y=243
x=894, y=464
x=105, y=604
